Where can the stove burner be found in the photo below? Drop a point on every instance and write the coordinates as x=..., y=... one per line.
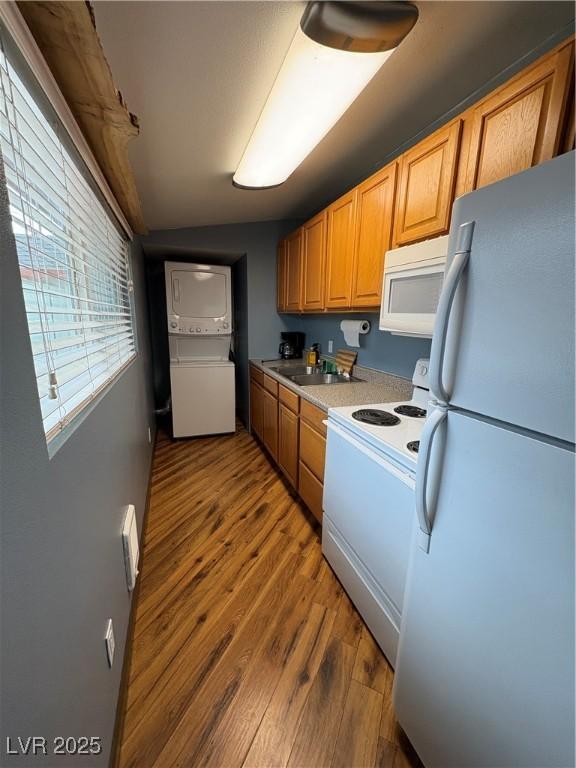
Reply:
x=410, y=410
x=413, y=446
x=376, y=417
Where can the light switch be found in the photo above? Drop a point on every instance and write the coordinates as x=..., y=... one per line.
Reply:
x=110, y=643
x=130, y=546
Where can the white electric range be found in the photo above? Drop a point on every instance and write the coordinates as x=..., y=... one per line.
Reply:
x=369, y=511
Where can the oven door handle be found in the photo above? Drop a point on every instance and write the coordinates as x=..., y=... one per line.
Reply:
x=405, y=477
x=434, y=420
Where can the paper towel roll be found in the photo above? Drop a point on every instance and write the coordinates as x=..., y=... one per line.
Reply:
x=352, y=330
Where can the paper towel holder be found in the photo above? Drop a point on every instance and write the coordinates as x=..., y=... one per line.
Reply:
x=353, y=329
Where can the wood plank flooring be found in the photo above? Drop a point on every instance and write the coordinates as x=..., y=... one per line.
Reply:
x=246, y=651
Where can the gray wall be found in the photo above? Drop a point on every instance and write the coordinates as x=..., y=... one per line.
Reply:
x=378, y=349
x=251, y=248
x=62, y=564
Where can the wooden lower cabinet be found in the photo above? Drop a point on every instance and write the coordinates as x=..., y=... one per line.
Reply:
x=312, y=457
x=270, y=423
x=256, y=415
x=290, y=399
x=312, y=450
x=288, y=443
x=271, y=385
x=294, y=434
x=314, y=416
x=311, y=490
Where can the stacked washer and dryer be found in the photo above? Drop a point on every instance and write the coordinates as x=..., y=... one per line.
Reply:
x=199, y=306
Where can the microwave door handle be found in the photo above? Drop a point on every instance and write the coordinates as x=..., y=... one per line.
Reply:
x=451, y=282
x=436, y=418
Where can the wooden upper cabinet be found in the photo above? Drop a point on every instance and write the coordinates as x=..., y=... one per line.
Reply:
x=426, y=186
x=281, y=277
x=293, y=258
x=521, y=124
x=373, y=236
x=336, y=260
x=341, y=224
x=313, y=262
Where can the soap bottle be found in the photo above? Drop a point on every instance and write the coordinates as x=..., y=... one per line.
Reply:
x=313, y=356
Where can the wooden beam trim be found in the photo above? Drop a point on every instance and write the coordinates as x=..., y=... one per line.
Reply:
x=18, y=30
x=67, y=38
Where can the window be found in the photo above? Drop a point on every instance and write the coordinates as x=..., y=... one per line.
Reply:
x=73, y=260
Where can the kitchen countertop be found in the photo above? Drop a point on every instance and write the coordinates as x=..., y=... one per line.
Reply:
x=374, y=387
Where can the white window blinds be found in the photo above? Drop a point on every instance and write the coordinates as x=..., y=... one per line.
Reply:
x=73, y=260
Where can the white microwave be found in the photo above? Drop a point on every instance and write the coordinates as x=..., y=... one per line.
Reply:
x=411, y=288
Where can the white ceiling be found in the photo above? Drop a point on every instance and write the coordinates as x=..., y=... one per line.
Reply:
x=198, y=73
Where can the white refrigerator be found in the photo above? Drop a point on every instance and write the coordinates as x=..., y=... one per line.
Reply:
x=485, y=668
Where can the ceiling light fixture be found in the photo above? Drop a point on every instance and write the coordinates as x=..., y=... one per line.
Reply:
x=336, y=51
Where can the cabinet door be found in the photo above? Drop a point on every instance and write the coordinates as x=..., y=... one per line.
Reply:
x=256, y=408
x=310, y=490
x=340, y=251
x=270, y=423
x=281, y=277
x=288, y=443
x=312, y=450
x=294, y=271
x=373, y=236
x=313, y=262
x=426, y=186
x=288, y=398
x=521, y=124
x=314, y=416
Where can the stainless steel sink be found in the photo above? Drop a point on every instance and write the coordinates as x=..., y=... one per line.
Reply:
x=303, y=376
x=309, y=379
x=290, y=370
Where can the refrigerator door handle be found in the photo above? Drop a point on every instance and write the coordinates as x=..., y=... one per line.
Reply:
x=451, y=282
x=436, y=418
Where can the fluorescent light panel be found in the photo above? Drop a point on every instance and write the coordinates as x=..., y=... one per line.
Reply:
x=314, y=87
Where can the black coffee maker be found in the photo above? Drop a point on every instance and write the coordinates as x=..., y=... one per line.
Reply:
x=292, y=345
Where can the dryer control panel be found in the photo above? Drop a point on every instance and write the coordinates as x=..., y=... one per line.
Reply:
x=198, y=299
x=181, y=325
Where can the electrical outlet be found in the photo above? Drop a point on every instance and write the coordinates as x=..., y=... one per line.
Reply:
x=330, y=346
x=110, y=642
x=149, y=435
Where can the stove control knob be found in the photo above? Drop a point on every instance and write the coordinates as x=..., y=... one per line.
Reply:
x=198, y=330
x=224, y=325
x=173, y=324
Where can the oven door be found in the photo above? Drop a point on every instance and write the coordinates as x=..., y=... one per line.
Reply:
x=410, y=297
x=366, y=530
